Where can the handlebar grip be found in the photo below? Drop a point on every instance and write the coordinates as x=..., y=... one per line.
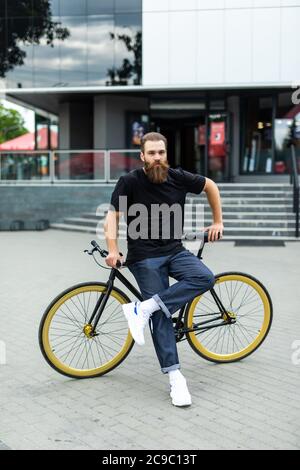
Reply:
x=118, y=264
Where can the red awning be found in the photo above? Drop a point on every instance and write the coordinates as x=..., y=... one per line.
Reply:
x=27, y=141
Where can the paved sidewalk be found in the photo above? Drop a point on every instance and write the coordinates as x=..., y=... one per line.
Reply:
x=253, y=404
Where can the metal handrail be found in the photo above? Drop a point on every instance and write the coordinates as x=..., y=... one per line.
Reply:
x=295, y=182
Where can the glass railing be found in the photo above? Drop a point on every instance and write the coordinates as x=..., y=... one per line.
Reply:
x=83, y=165
x=67, y=166
x=25, y=166
x=122, y=161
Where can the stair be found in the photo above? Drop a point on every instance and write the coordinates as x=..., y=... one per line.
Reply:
x=250, y=211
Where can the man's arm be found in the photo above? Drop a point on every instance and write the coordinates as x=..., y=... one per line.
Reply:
x=213, y=197
x=111, y=228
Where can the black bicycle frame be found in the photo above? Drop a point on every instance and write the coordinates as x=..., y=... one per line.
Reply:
x=115, y=273
x=101, y=303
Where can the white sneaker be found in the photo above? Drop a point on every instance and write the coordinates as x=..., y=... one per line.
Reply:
x=179, y=392
x=137, y=320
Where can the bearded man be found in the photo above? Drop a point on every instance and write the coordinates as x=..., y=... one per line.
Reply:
x=156, y=252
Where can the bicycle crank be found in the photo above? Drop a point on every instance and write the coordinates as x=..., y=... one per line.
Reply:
x=178, y=333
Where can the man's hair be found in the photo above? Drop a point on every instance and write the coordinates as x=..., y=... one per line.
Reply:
x=152, y=137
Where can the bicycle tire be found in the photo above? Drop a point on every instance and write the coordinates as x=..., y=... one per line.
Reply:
x=198, y=345
x=47, y=348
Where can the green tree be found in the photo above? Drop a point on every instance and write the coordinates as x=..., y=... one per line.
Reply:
x=18, y=29
x=11, y=124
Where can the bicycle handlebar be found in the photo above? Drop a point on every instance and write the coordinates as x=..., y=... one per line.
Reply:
x=191, y=236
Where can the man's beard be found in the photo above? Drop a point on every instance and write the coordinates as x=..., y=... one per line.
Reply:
x=157, y=173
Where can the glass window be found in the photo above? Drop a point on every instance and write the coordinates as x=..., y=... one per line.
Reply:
x=71, y=43
x=3, y=49
x=103, y=7
x=73, y=7
x=19, y=53
x=128, y=50
x=73, y=52
x=17, y=9
x=287, y=126
x=39, y=7
x=2, y=8
x=45, y=58
x=100, y=45
x=55, y=7
x=125, y=6
x=257, y=126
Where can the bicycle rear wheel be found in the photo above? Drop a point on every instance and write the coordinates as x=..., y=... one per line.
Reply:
x=250, y=309
x=65, y=336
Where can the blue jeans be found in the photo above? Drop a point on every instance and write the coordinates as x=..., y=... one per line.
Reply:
x=152, y=276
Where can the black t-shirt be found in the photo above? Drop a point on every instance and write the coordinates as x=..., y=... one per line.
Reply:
x=153, y=229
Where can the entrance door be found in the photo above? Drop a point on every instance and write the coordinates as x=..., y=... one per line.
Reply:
x=187, y=144
x=182, y=135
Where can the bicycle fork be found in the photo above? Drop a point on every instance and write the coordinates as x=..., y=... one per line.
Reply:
x=90, y=328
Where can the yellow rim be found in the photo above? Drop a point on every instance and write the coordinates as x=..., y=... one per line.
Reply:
x=196, y=339
x=82, y=372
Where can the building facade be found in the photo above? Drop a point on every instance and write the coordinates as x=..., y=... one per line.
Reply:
x=219, y=78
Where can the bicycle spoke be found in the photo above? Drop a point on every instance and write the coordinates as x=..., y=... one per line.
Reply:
x=245, y=303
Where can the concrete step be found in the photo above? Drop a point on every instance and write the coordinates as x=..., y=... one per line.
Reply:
x=255, y=186
x=226, y=214
x=230, y=234
x=252, y=194
x=190, y=222
x=72, y=228
x=246, y=201
x=254, y=208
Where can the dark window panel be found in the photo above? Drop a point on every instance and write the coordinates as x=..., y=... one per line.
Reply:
x=74, y=77
x=99, y=78
x=287, y=126
x=126, y=6
x=100, y=47
x=44, y=77
x=55, y=7
x=73, y=7
x=46, y=58
x=17, y=9
x=73, y=51
x=2, y=8
x=39, y=7
x=128, y=50
x=257, y=152
x=18, y=67
x=3, y=45
x=102, y=7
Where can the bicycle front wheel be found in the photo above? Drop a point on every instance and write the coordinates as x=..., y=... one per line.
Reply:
x=65, y=335
x=249, y=306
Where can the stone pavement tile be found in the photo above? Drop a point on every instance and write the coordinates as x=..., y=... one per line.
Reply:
x=3, y=446
x=250, y=404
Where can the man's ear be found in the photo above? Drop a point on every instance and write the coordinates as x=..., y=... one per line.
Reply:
x=142, y=156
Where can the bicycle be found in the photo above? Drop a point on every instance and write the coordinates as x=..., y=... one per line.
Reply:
x=83, y=332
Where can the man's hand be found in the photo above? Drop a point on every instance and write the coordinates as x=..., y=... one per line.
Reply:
x=213, y=231
x=112, y=258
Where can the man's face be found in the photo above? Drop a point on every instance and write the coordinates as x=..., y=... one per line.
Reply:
x=155, y=161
